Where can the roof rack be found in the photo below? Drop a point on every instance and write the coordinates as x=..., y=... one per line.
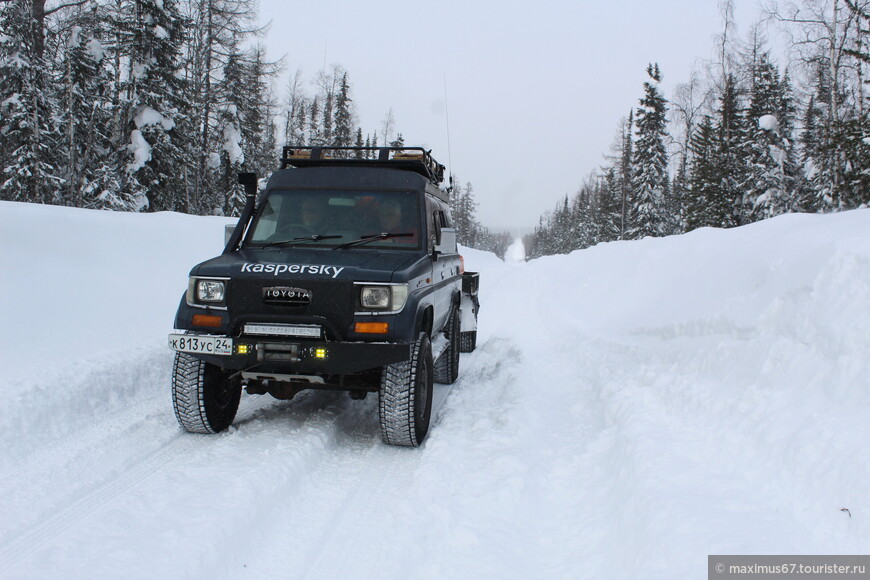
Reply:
x=414, y=159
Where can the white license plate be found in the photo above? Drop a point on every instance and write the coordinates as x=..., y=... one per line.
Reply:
x=201, y=344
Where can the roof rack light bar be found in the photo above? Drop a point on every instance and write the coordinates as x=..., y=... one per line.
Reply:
x=415, y=159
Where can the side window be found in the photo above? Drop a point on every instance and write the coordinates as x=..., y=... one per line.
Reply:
x=432, y=220
x=445, y=222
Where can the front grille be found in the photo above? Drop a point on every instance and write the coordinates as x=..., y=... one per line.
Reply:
x=329, y=303
x=286, y=295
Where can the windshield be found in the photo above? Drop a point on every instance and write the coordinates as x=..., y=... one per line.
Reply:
x=325, y=218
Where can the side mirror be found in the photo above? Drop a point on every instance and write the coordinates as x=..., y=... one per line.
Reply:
x=228, y=232
x=447, y=243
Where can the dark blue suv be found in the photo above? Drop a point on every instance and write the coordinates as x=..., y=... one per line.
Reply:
x=343, y=274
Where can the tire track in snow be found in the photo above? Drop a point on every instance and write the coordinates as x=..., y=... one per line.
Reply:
x=40, y=535
x=336, y=518
x=201, y=459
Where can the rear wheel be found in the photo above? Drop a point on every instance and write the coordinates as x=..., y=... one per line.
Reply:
x=204, y=397
x=406, y=397
x=467, y=341
x=447, y=365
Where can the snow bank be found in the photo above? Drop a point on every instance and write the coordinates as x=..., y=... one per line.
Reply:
x=94, y=294
x=478, y=260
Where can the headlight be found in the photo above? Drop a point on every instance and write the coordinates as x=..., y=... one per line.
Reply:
x=210, y=291
x=206, y=291
x=387, y=297
x=375, y=297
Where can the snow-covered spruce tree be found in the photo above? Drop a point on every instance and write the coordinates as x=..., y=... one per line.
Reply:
x=626, y=188
x=830, y=34
x=706, y=205
x=730, y=157
x=608, y=192
x=29, y=138
x=769, y=186
x=299, y=124
x=359, y=143
x=344, y=115
x=226, y=161
x=584, y=226
x=327, y=84
x=159, y=146
x=822, y=144
x=314, y=132
x=788, y=119
x=231, y=159
x=680, y=193
x=216, y=26
x=258, y=115
x=461, y=210
x=294, y=131
x=562, y=228
x=326, y=121
x=92, y=163
x=650, y=178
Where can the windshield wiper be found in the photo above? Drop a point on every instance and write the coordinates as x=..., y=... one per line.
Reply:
x=373, y=237
x=313, y=238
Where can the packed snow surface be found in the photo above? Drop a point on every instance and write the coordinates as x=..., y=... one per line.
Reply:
x=630, y=409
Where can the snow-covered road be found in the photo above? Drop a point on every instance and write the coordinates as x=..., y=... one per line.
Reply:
x=631, y=408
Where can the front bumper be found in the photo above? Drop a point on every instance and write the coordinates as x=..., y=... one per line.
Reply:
x=300, y=356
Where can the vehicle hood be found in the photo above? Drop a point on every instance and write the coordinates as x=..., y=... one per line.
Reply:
x=307, y=264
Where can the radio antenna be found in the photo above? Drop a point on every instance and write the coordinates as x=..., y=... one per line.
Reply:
x=447, y=116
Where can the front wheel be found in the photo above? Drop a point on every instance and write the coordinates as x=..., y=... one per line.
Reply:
x=406, y=397
x=204, y=397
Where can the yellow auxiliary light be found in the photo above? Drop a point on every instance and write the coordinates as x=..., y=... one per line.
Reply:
x=243, y=348
x=319, y=353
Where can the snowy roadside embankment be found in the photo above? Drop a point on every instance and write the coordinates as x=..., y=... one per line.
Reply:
x=88, y=297
x=630, y=409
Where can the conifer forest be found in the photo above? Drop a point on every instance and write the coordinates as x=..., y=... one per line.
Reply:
x=744, y=139
x=156, y=105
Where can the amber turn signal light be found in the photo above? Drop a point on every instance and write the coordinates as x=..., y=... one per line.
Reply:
x=207, y=320
x=372, y=327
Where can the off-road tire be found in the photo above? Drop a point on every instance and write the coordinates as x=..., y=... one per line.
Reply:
x=447, y=365
x=467, y=341
x=205, y=399
x=405, y=403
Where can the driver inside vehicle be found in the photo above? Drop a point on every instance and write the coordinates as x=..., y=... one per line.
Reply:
x=390, y=215
x=313, y=213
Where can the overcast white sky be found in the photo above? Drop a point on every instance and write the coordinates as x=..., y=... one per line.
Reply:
x=535, y=90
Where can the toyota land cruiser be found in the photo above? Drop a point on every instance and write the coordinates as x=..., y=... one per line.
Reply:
x=344, y=275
